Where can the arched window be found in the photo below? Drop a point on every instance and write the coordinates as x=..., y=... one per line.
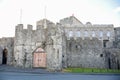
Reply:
x=86, y=33
x=93, y=33
x=70, y=33
x=77, y=33
x=101, y=34
x=108, y=34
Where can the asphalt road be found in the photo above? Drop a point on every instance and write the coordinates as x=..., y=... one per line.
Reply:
x=56, y=76
x=13, y=73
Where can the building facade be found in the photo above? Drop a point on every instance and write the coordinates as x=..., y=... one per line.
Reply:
x=69, y=43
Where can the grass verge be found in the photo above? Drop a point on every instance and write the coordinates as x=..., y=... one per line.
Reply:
x=90, y=70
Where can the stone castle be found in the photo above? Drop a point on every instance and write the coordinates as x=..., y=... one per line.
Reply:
x=69, y=43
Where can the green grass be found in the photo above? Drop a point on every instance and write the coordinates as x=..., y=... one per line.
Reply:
x=90, y=70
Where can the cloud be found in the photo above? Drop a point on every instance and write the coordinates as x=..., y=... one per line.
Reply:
x=117, y=10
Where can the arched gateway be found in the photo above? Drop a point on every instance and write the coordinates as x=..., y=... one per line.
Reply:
x=39, y=58
x=4, y=59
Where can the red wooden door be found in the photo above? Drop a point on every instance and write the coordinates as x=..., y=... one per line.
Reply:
x=39, y=58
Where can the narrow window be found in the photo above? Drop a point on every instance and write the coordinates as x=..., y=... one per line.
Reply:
x=93, y=33
x=108, y=34
x=101, y=55
x=101, y=34
x=70, y=34
x=86, y=33
x=76, y=46
x=78, y=34
x=105, y=43
x=58, y=53
x=70, y=45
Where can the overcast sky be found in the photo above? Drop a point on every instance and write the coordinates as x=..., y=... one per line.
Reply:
x=94, y=11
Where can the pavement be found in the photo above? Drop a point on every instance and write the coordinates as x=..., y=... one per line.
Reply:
x=8, y=68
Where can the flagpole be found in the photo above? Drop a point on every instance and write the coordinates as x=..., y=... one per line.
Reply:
x=20, y=16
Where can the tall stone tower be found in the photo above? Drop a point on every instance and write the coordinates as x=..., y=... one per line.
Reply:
x=47, y=38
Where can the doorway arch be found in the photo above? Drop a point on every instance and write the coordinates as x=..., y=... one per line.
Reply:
x=39, y=58
x=4, y=56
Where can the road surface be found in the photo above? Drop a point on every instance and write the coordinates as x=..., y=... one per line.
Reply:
x=12, y=73
x=56, y=76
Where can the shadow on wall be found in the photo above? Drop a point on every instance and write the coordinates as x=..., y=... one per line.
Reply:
x=112, y=59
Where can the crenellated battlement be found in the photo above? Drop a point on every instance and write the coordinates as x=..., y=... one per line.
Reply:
x=29, y=27
x=19, y=27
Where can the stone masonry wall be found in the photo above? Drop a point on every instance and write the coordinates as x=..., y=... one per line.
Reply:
x=112, y=58
x=69, y=43
x=117, y=37
x=85, y=53
x=28, y=40
x=8, y=43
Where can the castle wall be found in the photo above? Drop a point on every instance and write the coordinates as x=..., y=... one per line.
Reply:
x=66, y=44
x=54, y=47
x=28, y=40
x=86, y=43
x=117, y=37
x=85, y=53
x=8, y=43
x=112, y=59
x=23, y=46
